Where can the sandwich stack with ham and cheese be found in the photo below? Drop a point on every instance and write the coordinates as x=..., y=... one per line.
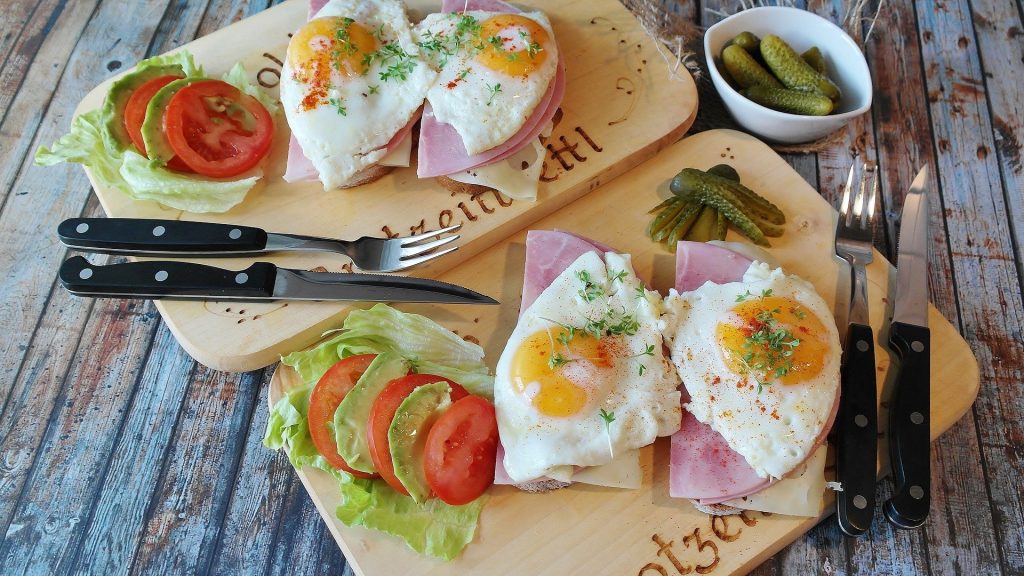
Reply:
x=500, y=81
x=352, y=87
x=739, y=364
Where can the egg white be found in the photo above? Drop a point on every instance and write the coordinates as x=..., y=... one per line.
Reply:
x=485, y=106
x=774, y=428
x=341, y=145
x=644, y=406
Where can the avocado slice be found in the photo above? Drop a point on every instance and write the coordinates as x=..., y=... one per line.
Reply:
x=121, y=91
x=354, y=411
x=158, y=149
x=407, y=436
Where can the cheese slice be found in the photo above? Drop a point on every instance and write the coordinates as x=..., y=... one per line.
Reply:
x=799, y=495
x=400, y=155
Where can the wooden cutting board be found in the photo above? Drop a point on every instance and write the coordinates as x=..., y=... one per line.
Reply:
x=623, y=102
x=590, y=530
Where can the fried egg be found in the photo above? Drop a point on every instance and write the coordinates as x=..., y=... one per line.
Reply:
x=583, y=376
x=760, y=359
x=494, y=70
x=352, y=79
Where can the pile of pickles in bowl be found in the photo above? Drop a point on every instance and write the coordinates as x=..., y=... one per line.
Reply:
x=786, y=74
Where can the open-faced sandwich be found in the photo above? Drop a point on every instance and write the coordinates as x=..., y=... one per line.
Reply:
x=500, y=82
x=352, y=88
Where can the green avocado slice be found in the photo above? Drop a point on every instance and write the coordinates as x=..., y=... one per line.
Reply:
x=354, y=411
x=121, y=91
x=407, y=436
x=158, y=149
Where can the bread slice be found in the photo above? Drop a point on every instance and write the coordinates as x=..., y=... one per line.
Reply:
x=457, y=187
x=542, y=485
x=367, y=175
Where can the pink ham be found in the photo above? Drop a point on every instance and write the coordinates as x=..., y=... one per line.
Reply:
x=479, y=5
x=548, y=254
x=314, y=7
x=702, y=466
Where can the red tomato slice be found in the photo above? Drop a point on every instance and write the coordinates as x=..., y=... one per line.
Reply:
x=461, y=448
x=323, y=402
x=135, y=114
x=216, y=129
x=383, y=412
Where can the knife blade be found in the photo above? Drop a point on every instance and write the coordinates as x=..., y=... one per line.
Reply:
x=909, y=407
x=259, y=282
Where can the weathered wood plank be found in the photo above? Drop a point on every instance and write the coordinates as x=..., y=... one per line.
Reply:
x=1000, y=37
x=116, y=523
x=184, y=519
x=72, y=456
x=981, y=250
x=18, y=48
x=13, y=21
x=303, y=545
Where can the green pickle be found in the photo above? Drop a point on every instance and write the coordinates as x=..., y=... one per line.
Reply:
x=748, y=41
x=742, y=67
x=813, y=57
x=792, y=70
x=791, y=101
x=725, y=171
x=704, y=227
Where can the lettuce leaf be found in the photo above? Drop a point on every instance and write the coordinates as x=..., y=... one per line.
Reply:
x=91, y=143
x=430, y=347
x=433, y=527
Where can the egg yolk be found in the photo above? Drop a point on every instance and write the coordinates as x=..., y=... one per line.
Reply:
x=538, y=364
x=512, y=44
x=324, y=45
x=776, y=339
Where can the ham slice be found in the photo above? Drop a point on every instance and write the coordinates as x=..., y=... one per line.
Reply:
x=441, y=151
x=702, y=466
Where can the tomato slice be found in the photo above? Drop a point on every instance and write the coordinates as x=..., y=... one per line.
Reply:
x=323, y=402
x=461, y=448
x=216, y=129
x=383, y=412
x=135, y=114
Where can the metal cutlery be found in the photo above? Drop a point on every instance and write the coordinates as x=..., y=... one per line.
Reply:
x=857, y=437
x=909, y=418
x=260, y=281
x=146, y=237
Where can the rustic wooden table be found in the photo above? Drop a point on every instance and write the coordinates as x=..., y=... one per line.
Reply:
x=122, y=454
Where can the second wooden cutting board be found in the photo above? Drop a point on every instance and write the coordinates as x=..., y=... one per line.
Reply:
x=589, y=530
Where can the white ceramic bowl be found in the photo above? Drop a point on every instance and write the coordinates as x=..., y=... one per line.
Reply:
x=801, y=30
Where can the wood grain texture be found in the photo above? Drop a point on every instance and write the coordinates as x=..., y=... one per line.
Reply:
x=55, y=407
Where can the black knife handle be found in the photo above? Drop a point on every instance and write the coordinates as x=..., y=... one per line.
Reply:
x=909, y=427
x=160, y=237
x=857, y=438
x=166, y=279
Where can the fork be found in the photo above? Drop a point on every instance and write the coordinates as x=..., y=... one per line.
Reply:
x=857, y=430
x=148, y=237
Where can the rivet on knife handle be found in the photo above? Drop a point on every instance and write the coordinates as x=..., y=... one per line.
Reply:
x=160, y=237
x=160, y=279
x=909, y=425
x=857, y=439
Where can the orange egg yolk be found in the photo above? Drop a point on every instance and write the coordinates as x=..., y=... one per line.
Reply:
x=776, y=339
x=513, y=44
x=325, y=45
x=533, y=370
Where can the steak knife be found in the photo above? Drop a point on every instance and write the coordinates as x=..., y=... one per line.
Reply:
x=909, y=418
x=259, y=282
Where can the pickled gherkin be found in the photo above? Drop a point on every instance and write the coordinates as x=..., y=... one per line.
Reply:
x=745, y=70
x=748, y=41
x=791, y=101
x=792, y=70
x=813, y=57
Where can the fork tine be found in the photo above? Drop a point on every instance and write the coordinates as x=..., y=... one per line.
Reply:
x=858, y=202
x=844, y=208
x=414, y=261
x=870, y=213
x=409, y=252
x=414, y=239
